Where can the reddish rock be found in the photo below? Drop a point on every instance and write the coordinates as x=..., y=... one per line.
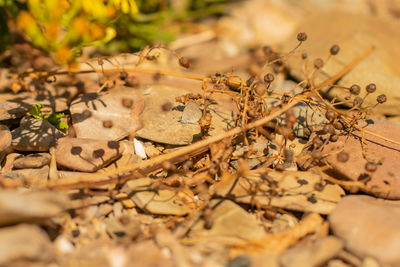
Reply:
x=86, y=155
x=369, y=227
x=385, y=180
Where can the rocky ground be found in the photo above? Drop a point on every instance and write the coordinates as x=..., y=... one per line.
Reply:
x=269, y=150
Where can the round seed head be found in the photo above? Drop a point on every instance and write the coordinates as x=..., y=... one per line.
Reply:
x=234, y=82
x=301, y=36
x=338, y=125
x=318, y=63
x=371, y=166
x=342, y=157
x=381, y=99
x=370, y=88
x=330, y=115
x=184, y=62
x=260, y=89
x=269, y=78
x=334, y=49
x=355, y=89
x=304, y=55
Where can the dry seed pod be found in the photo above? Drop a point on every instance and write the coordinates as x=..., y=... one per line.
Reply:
x=334, y=49
x=381, y=99
x=342, y=157
x=318, y=63
x=260, y=89
x=370, y=88
x=330, y=115
x=234, y=83
x=338, y=125
x=355, y=89
x=269, y=78
x=304, y=55
x=184, y=62
x=301, y=36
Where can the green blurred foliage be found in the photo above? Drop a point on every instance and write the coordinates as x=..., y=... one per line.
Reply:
x=66, y=26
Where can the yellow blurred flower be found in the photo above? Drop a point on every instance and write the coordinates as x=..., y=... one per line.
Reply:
x=64, y=55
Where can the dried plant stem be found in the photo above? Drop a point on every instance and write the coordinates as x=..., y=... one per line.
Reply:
x=132, y=171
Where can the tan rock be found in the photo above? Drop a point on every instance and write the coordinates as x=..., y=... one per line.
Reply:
x=5, y=138
x=86, y=155
x=385, y=180
x=165, y=126
x=35, y=135
x=192, y=113
x=353, y=33
x=32, y=207
x=162, y=202
x=227, y=223
x=369, y=227
x=110, y=116
x=300, y=191
x=37, y=160
x=314, y=254
x=38, y=173
x=24, y=243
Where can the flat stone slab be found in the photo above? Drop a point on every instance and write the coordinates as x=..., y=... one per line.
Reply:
x=369, y=227
x=86, y=155
x=164, y=125
x=385, y=180
x=35, y=135
x=109, y=116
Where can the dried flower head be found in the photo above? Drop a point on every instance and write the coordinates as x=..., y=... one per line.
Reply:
x=301, y=36
x=334, y=49
x=370, y=88
x=184, y=62
x=381, y=99
x=355, y=89
x=318, y=63
x=269, y=78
